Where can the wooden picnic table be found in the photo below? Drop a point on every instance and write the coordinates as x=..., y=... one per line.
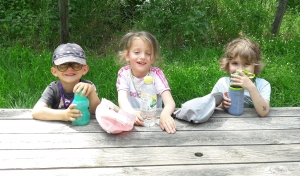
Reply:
x=224, y=145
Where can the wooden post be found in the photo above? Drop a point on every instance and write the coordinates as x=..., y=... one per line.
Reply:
x=278, y=17
x=63, y=15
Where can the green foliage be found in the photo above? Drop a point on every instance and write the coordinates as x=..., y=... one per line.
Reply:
x=240, y=18
x=294, y=4
x=23, y=72
x=103, y=73
x=129, y=10
x=20, y=13
x=192, y=36
x=99, y=25
x=282, y=58
x=192, y=72
x=175, y=23
x=93, y=23
x=28, y=22
x=291, y=21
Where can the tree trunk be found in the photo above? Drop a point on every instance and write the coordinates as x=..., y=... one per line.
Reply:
x=278, y=17
x=63, y=15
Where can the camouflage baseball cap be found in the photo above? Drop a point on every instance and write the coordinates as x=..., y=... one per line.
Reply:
x=69, y=52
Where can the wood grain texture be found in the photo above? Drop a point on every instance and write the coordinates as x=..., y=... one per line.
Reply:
x=224, y=145
x=148, y=139
x=147, y=156
x=266, y=169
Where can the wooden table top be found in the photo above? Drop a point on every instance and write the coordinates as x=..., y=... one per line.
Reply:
x=224, y=145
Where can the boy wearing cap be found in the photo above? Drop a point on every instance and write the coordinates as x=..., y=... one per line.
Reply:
x=69, y=65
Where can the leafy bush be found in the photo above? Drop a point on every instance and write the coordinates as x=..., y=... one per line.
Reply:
x=175, y=23
x=100, y=24
x=28, y=22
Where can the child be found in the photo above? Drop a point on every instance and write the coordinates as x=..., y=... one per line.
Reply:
x=69, y=65
x=139, y=50
x=244, y=54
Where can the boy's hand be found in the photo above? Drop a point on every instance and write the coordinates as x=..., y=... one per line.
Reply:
x=242, y=80
x=85, y=87
x=71, y=113
x=226, y=101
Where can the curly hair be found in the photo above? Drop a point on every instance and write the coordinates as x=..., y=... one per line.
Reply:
x=127, y=40
x=247, y=50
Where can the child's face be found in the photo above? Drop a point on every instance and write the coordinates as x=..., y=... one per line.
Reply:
x=140, y=57
x=237, y=64
x=69, y=73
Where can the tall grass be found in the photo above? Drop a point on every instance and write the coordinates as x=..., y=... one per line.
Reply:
x=190, y=72
x=192, y=36
x=23, y=75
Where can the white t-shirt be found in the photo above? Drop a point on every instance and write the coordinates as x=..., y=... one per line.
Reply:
x=263, y=86
x=124, y=82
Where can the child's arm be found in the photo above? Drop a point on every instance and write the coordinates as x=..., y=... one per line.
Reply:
x=125, y=105
x=41, y=111
x=261, y=105
x=90, y=92
x=167, y=122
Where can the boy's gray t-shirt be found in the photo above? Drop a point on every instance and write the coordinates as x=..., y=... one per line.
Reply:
x=53, y=98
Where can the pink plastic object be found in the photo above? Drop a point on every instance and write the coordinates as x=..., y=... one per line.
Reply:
x=113, y=119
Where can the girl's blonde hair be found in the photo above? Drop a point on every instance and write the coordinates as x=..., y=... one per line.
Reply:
x=247, y=50
x=127, y=40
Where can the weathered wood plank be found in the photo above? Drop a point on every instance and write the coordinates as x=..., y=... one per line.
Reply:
x=230, y=146
x=150, y=139
x=13, y=114
x=250, y=112
x=154, y=156
x=271, y=169
x=214, y=123
x=19, y=114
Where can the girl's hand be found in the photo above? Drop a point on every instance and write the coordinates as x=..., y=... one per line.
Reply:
x=226, y=103
x=85, y=87
x=167, y=123
x=139, y=121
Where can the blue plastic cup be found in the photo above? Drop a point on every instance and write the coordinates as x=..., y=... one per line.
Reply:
x=236, y=94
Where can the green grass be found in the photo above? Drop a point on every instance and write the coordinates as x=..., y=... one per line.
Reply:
x=191, y=72
x=23, y=74
x=192, y=35
x=282, y=70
